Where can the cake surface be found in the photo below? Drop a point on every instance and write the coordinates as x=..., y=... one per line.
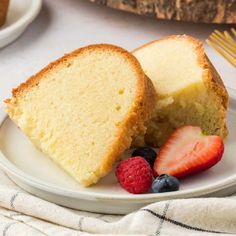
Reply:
x=83, y=109
x=189, y=90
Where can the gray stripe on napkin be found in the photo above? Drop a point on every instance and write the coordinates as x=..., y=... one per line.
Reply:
x=7, y=227
x=181, y=224
x=80, y=224
x=13, y=214
x=12, y=200
x=158, y=232
x=100, y=217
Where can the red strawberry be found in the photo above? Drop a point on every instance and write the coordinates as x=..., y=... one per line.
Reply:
x=188, y=151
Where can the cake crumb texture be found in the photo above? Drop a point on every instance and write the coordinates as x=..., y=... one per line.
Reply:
x=189, y=89
x=83, y=109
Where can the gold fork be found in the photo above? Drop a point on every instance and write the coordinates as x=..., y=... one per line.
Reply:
x=225, y=44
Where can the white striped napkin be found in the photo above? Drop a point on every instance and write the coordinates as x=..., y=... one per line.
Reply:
x=25, y=215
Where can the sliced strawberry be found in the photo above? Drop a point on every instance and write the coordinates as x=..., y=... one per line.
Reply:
x=188, y=151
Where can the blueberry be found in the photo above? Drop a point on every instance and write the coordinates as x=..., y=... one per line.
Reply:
x=165, y=183
x=147, y=153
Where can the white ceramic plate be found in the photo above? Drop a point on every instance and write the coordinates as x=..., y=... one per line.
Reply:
x=37, y=174
x=20, y=14
x=232, y=93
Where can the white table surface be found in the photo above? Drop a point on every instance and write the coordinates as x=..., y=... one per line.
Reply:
x=64, y=25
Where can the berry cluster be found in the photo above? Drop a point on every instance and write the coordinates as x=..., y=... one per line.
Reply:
x=187, y=151
x=135, y=174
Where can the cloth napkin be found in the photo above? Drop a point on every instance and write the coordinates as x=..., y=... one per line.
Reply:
x=22, y=214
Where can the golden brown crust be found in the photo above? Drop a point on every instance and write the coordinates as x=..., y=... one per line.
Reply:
x=218, y=84
x=211, y=76
x=213, y=81
x=33, y=80
x=3, y=11
x=134, y=122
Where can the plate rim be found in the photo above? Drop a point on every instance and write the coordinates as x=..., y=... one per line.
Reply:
x=11, y=169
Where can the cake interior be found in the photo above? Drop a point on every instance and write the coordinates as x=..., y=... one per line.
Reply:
x=75, y=110
x=175, y=62
x=184, y=97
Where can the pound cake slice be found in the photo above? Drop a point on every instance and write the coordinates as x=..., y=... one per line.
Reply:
x=83, y=109
x=189, y=90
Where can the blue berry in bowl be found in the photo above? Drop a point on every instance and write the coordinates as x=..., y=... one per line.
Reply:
x=147, y=153
x=165, y=183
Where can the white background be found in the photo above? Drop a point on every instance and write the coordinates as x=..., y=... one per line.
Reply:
x=64, y=25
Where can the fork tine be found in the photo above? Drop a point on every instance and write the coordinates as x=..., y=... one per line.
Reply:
x=221, y=36
x=229, y=51
x=219, y=50
x=233, y=31
x=224, y=42
x=217, y=32
x=229, y=37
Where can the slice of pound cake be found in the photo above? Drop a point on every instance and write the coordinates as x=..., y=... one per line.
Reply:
x=190, y=91
x=83, y=109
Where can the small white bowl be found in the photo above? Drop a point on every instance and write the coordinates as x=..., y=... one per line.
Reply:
x=20, y=14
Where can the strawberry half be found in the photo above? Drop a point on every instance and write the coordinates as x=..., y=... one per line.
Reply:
x=188, y=151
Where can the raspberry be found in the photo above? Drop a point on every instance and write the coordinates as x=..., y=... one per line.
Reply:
x=134, y=175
